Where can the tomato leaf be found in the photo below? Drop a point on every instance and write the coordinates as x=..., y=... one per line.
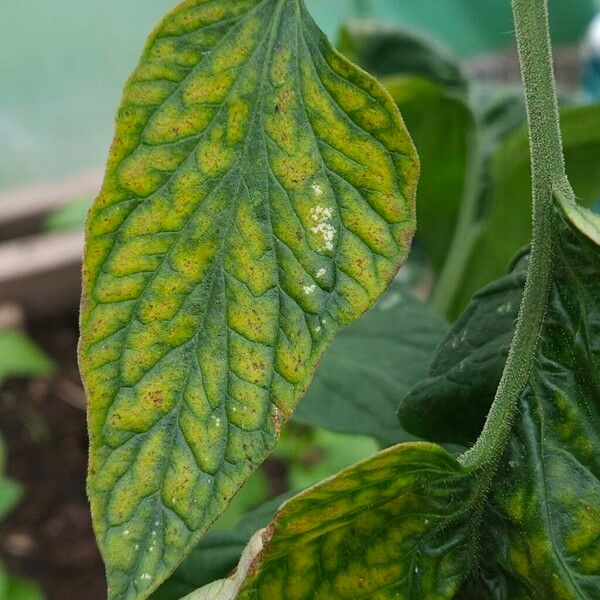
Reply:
x=452, y=402
x=508, y=226
x=217, y=554
x=384, y=526
x=544, y=515
x=412, y=522
x=259, y=196
x=371, y=364
x=388, y=50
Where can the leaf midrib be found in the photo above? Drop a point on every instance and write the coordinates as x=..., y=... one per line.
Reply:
x=173, y=415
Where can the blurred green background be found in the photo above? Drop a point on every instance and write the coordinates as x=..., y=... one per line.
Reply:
x=63, y=63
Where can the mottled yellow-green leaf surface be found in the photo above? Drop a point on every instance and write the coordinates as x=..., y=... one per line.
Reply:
x=413, y=524
x=398, y=525
x=259, y=196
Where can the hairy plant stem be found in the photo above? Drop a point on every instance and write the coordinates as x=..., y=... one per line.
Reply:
x=548, y=174
x=466, y=232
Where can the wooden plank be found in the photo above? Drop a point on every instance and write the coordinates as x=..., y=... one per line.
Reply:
x=11, y=317
x=504, y=66
x=23, y=210
x=42, y=273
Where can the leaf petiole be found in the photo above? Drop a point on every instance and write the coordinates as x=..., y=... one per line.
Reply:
x=548, y=177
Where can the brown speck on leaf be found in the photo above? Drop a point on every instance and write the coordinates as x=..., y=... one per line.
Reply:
x=278, y=420
x=156, y=398
x=256, y=560
x=268, y=533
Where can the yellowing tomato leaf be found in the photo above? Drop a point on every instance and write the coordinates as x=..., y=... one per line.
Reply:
x=259, y=196
x=217, y=554
x=544, y=515
x=452, y=402
x=394, y=526
x=414, y=523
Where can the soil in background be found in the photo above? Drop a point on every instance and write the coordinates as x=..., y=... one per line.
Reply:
x=48, y=537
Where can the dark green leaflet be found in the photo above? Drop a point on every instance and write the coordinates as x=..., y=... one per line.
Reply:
x=370, y=365
x=388, y=50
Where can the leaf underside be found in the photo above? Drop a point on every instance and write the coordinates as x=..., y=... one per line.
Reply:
x=413, y=523
x=259, y=196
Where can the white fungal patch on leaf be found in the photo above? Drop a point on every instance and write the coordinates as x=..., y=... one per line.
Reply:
x=317, y=189
x=321, y=213
x=321, y=216
x=505, y=308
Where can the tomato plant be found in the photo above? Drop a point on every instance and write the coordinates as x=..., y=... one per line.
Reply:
x=259, y=197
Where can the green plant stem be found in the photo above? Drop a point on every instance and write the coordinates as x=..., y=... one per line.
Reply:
x=548, y=174
x=466, y=232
